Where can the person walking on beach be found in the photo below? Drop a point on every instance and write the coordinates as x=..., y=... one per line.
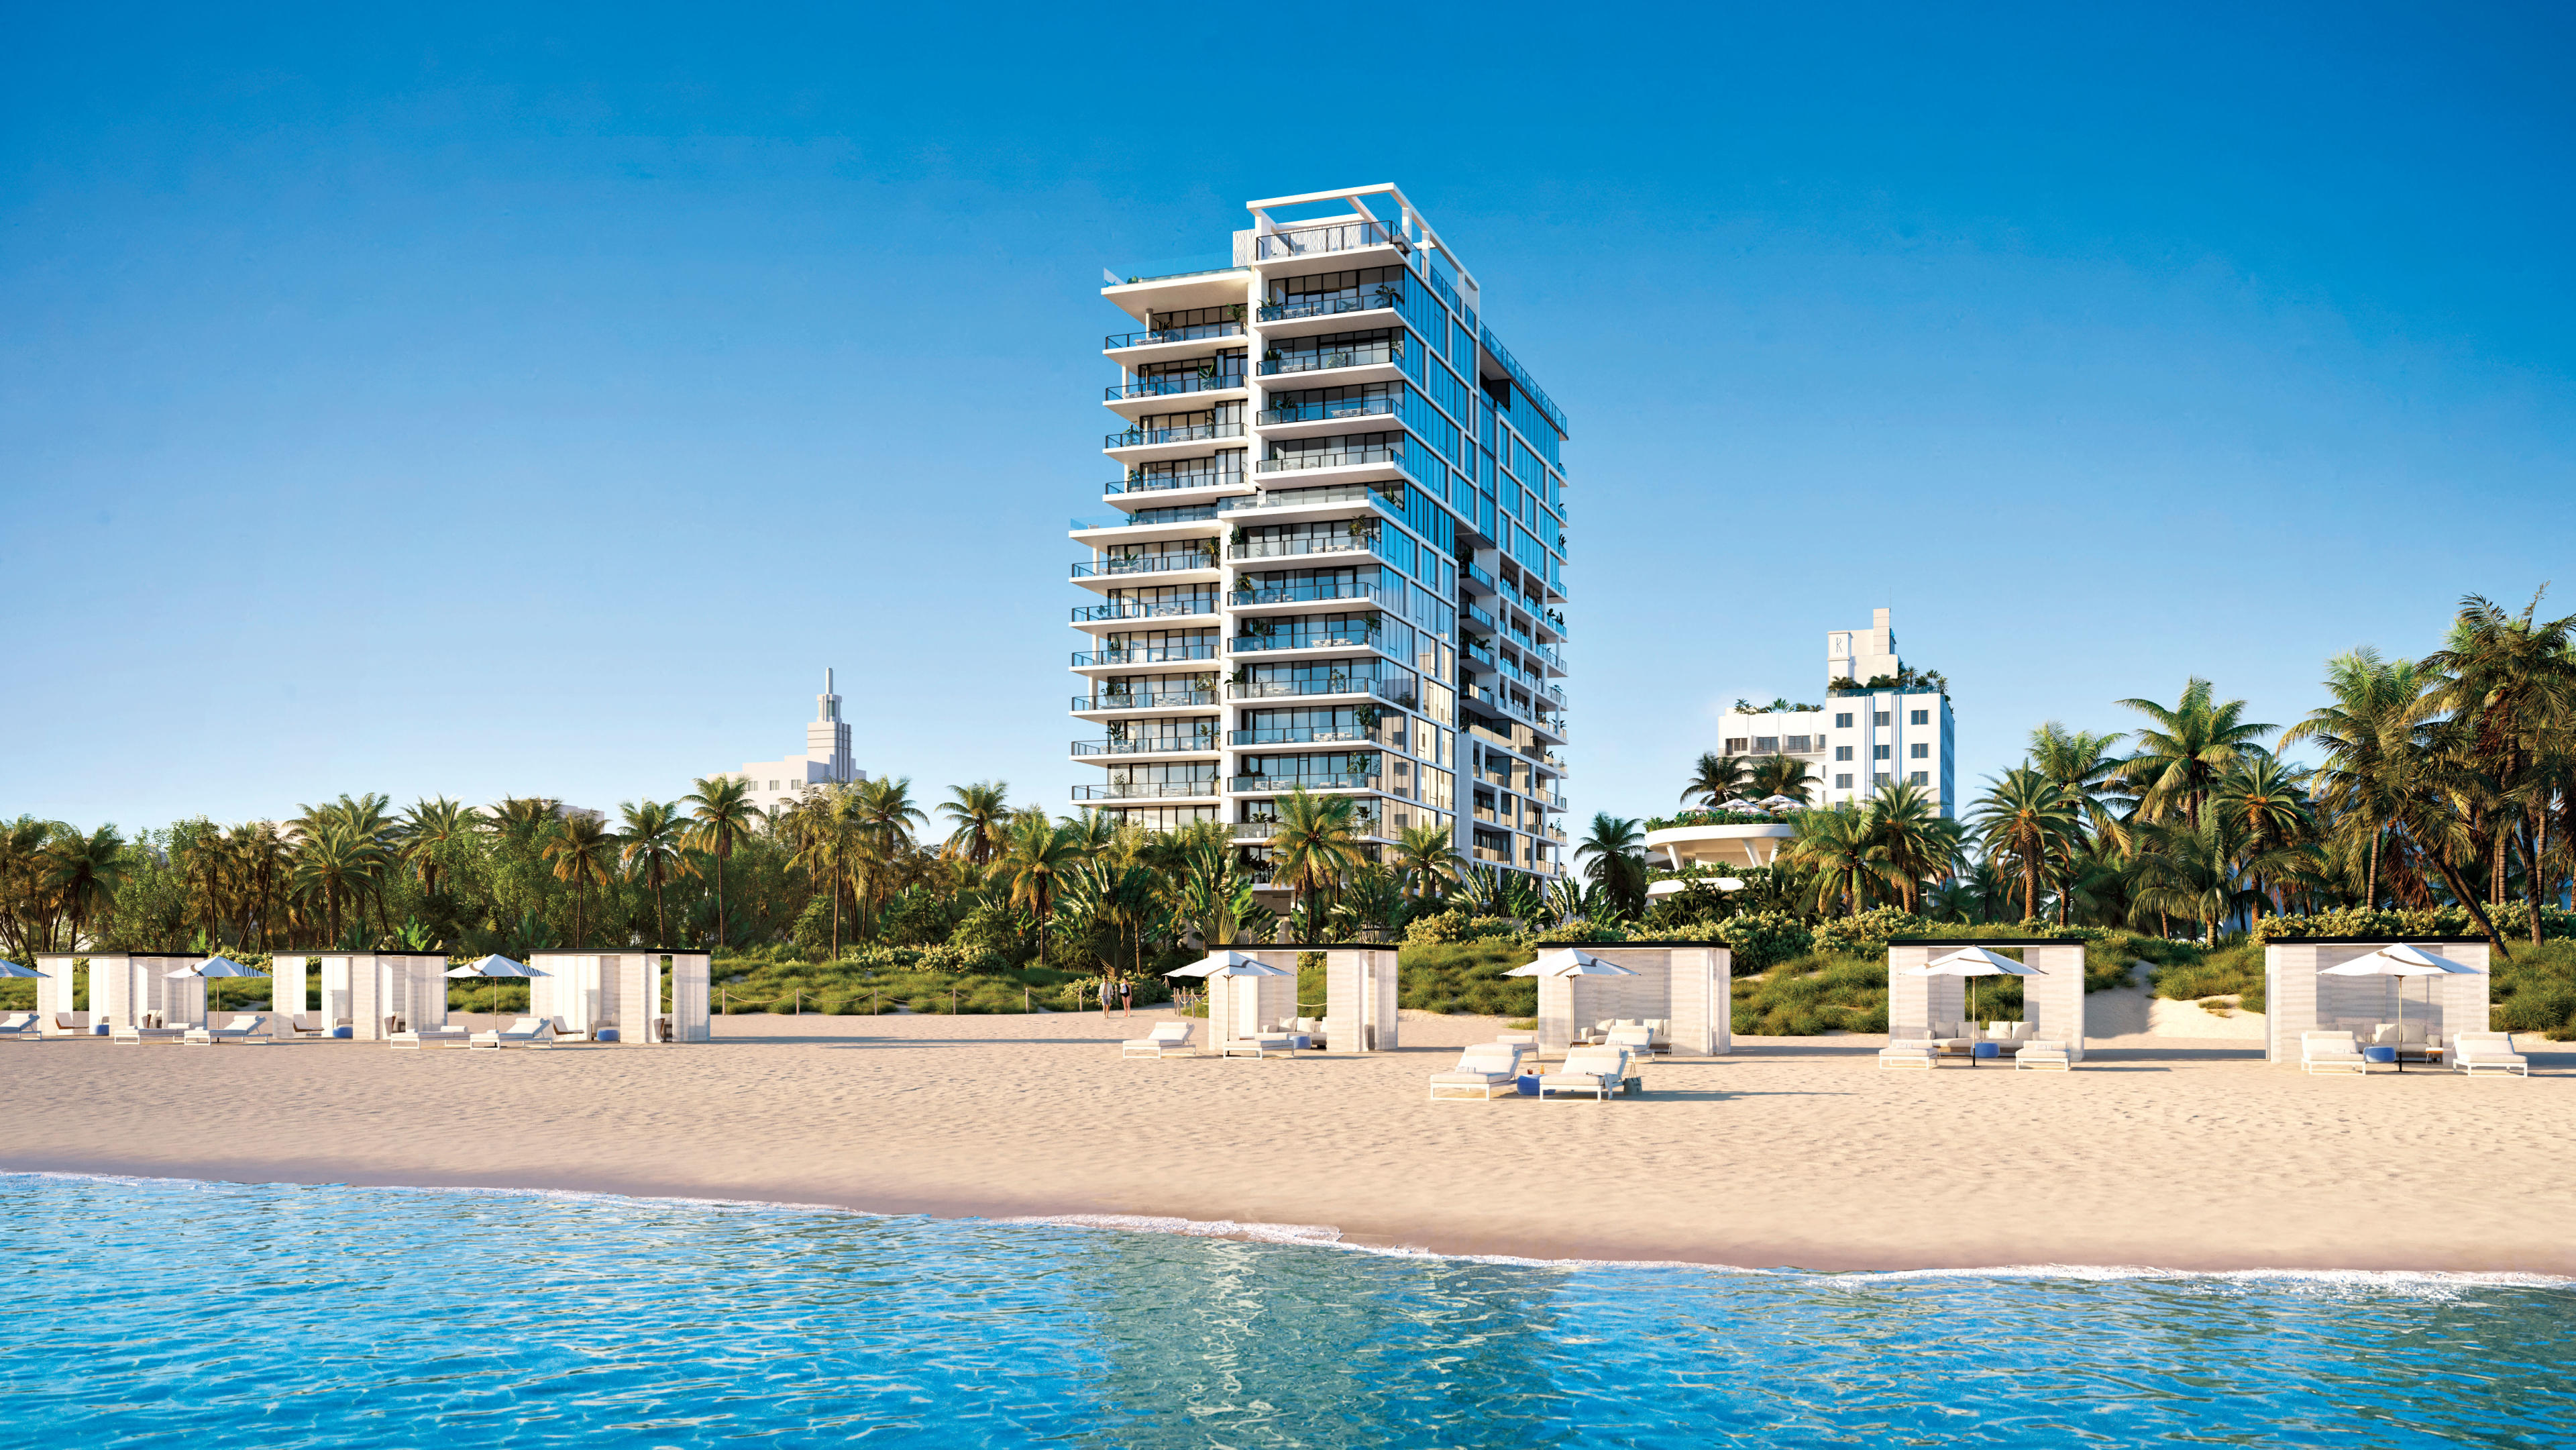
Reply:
x=1126, y=999
x=1104, y=999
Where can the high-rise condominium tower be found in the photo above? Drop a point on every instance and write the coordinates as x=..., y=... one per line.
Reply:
x=1338, y=554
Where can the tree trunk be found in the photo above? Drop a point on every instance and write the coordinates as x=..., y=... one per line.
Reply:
x=2535, y=835
x=2375, y=833
x=2460, y=887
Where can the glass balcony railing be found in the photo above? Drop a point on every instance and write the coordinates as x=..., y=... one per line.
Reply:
x=1327, y=412
x=1550, y=799
x=1193, y=433
x=1478, y=650
x=1168, y=385
x=1400, y=691
x=1299, y=735
x=1481, y=577
x=1308, y=593
x=1323, y=359
x=1143, y=564
x=1143, y=482
x=1158, y=654
x=1478, y=616
x=1288, y=498
x=1181, y=608
x=1145, y=790
x=1295, y=548
x=1330, y=458
x=1331, y=237
x=1144, y=700
x=1192, y=332
x=1366, y=823
x=1147, y=745
x=1146, y=516
x=1310, y=782
x=1331, y=305
x=1354, y=639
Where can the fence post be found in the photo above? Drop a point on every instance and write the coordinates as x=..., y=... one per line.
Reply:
x=800, y=1001
x=1024, y=999
x=952, y=1001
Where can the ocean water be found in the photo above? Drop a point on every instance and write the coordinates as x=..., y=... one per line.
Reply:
x=164, y=1312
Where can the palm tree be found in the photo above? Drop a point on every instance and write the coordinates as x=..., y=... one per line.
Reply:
x=2026, y=822
x=980, y=812
x=2264, y=803
x=2192, y=869
x=721, y=811
x=1312, y=844
x=581, y=848
x=1835, y=842
x=429, y=831
x=2190, y=746
x=651, y=851
x=1784, y=775
x=336, y=866
x=1428, y=855
x=886, y=817
x=2511, y=681
x=519, y=817
x=1614, y=857
x=1914, y=840
x=1034, y=864
x=82, y=874
x=2366, y=734
x=1716, y=778
x=2083, y=765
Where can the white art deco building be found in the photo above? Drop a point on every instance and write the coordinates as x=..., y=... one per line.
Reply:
x=774, y=783
x=1335, y=556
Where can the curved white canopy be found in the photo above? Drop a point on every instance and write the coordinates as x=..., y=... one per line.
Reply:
x=1570, y=962
x=1229, y=964
x=217, y=967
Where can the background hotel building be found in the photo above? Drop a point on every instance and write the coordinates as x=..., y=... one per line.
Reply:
x=1337, y=553
x=1862, y=738
x=774, y=783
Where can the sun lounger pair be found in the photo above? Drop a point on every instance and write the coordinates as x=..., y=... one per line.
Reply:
x=239, y=1029
x=2331, y=1052
x=417, y=1038
x=1484, y=1072
x=522, y=1032
x=137, y=1035
x=24, y=1026
x=1260, y=1044
x=1168, y=1039
x=2477, y=1052
x=1925, y=1052
x=1596, y=1070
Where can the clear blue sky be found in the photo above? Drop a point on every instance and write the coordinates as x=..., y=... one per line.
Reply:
x=536, y=400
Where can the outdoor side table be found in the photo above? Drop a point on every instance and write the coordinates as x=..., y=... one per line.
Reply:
x=1984, y=1051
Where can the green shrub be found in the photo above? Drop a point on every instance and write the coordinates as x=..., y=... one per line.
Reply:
x=1443, y=928
x=1466, y=977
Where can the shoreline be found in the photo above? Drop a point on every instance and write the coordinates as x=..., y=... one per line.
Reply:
x=1792, y=1154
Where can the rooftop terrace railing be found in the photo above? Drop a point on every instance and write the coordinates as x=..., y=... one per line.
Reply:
x=1312, y=241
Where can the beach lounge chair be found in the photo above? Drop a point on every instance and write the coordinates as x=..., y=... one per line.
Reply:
x=307, y=1024
x=1484, y=1072
x=2330, y=1052
x=2477, y=1052
x=567, y=1033
x=1167, y=1039
x=1594, y=1070
x=2039, y=1053
x=138, y=1034
x=1260, y=1044
x=416, y=1038
x=25, y=1026
x=522, y=1032
x=72, y=1024
x=1639, y=1040
x=1922, y=1052
x=239, y=1029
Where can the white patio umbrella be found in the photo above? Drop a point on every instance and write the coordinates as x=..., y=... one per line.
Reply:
x=2401, y=961
x=1971, y=962
x=218, y=967
x=495, y=968
x=1778, y=803
x=1228, y=964
x=1741, y=804
x=9, y=968
x=1570, y=962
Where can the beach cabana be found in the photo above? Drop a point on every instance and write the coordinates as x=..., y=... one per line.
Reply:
x=618, y=994
x=1920, y=997
x=124, y=988
x=1687, y=986
x=1245, y=992
x=1359, y=998
x=2356, y=985
x=361, y=991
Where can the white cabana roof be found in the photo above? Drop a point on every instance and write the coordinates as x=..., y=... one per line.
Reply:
x=1229, y=964
x=495, y=966
x=2400, y=960
x=1971, y=962
x=217, y=967
x=1570, y=962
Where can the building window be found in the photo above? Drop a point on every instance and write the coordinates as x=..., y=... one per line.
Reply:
x=1921, y=752
x=1881, y=778
x=1842, y=720
x=1766, y=744
x=1922, y=717
x=1798, y=745
x=1920, y=777
x=1879, y=718
x=1842, y=782
x=1878, y=752
x=1735, y=745
x=1842, y=752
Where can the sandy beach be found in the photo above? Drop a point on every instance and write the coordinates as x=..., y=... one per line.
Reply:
x=2159, y=1152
